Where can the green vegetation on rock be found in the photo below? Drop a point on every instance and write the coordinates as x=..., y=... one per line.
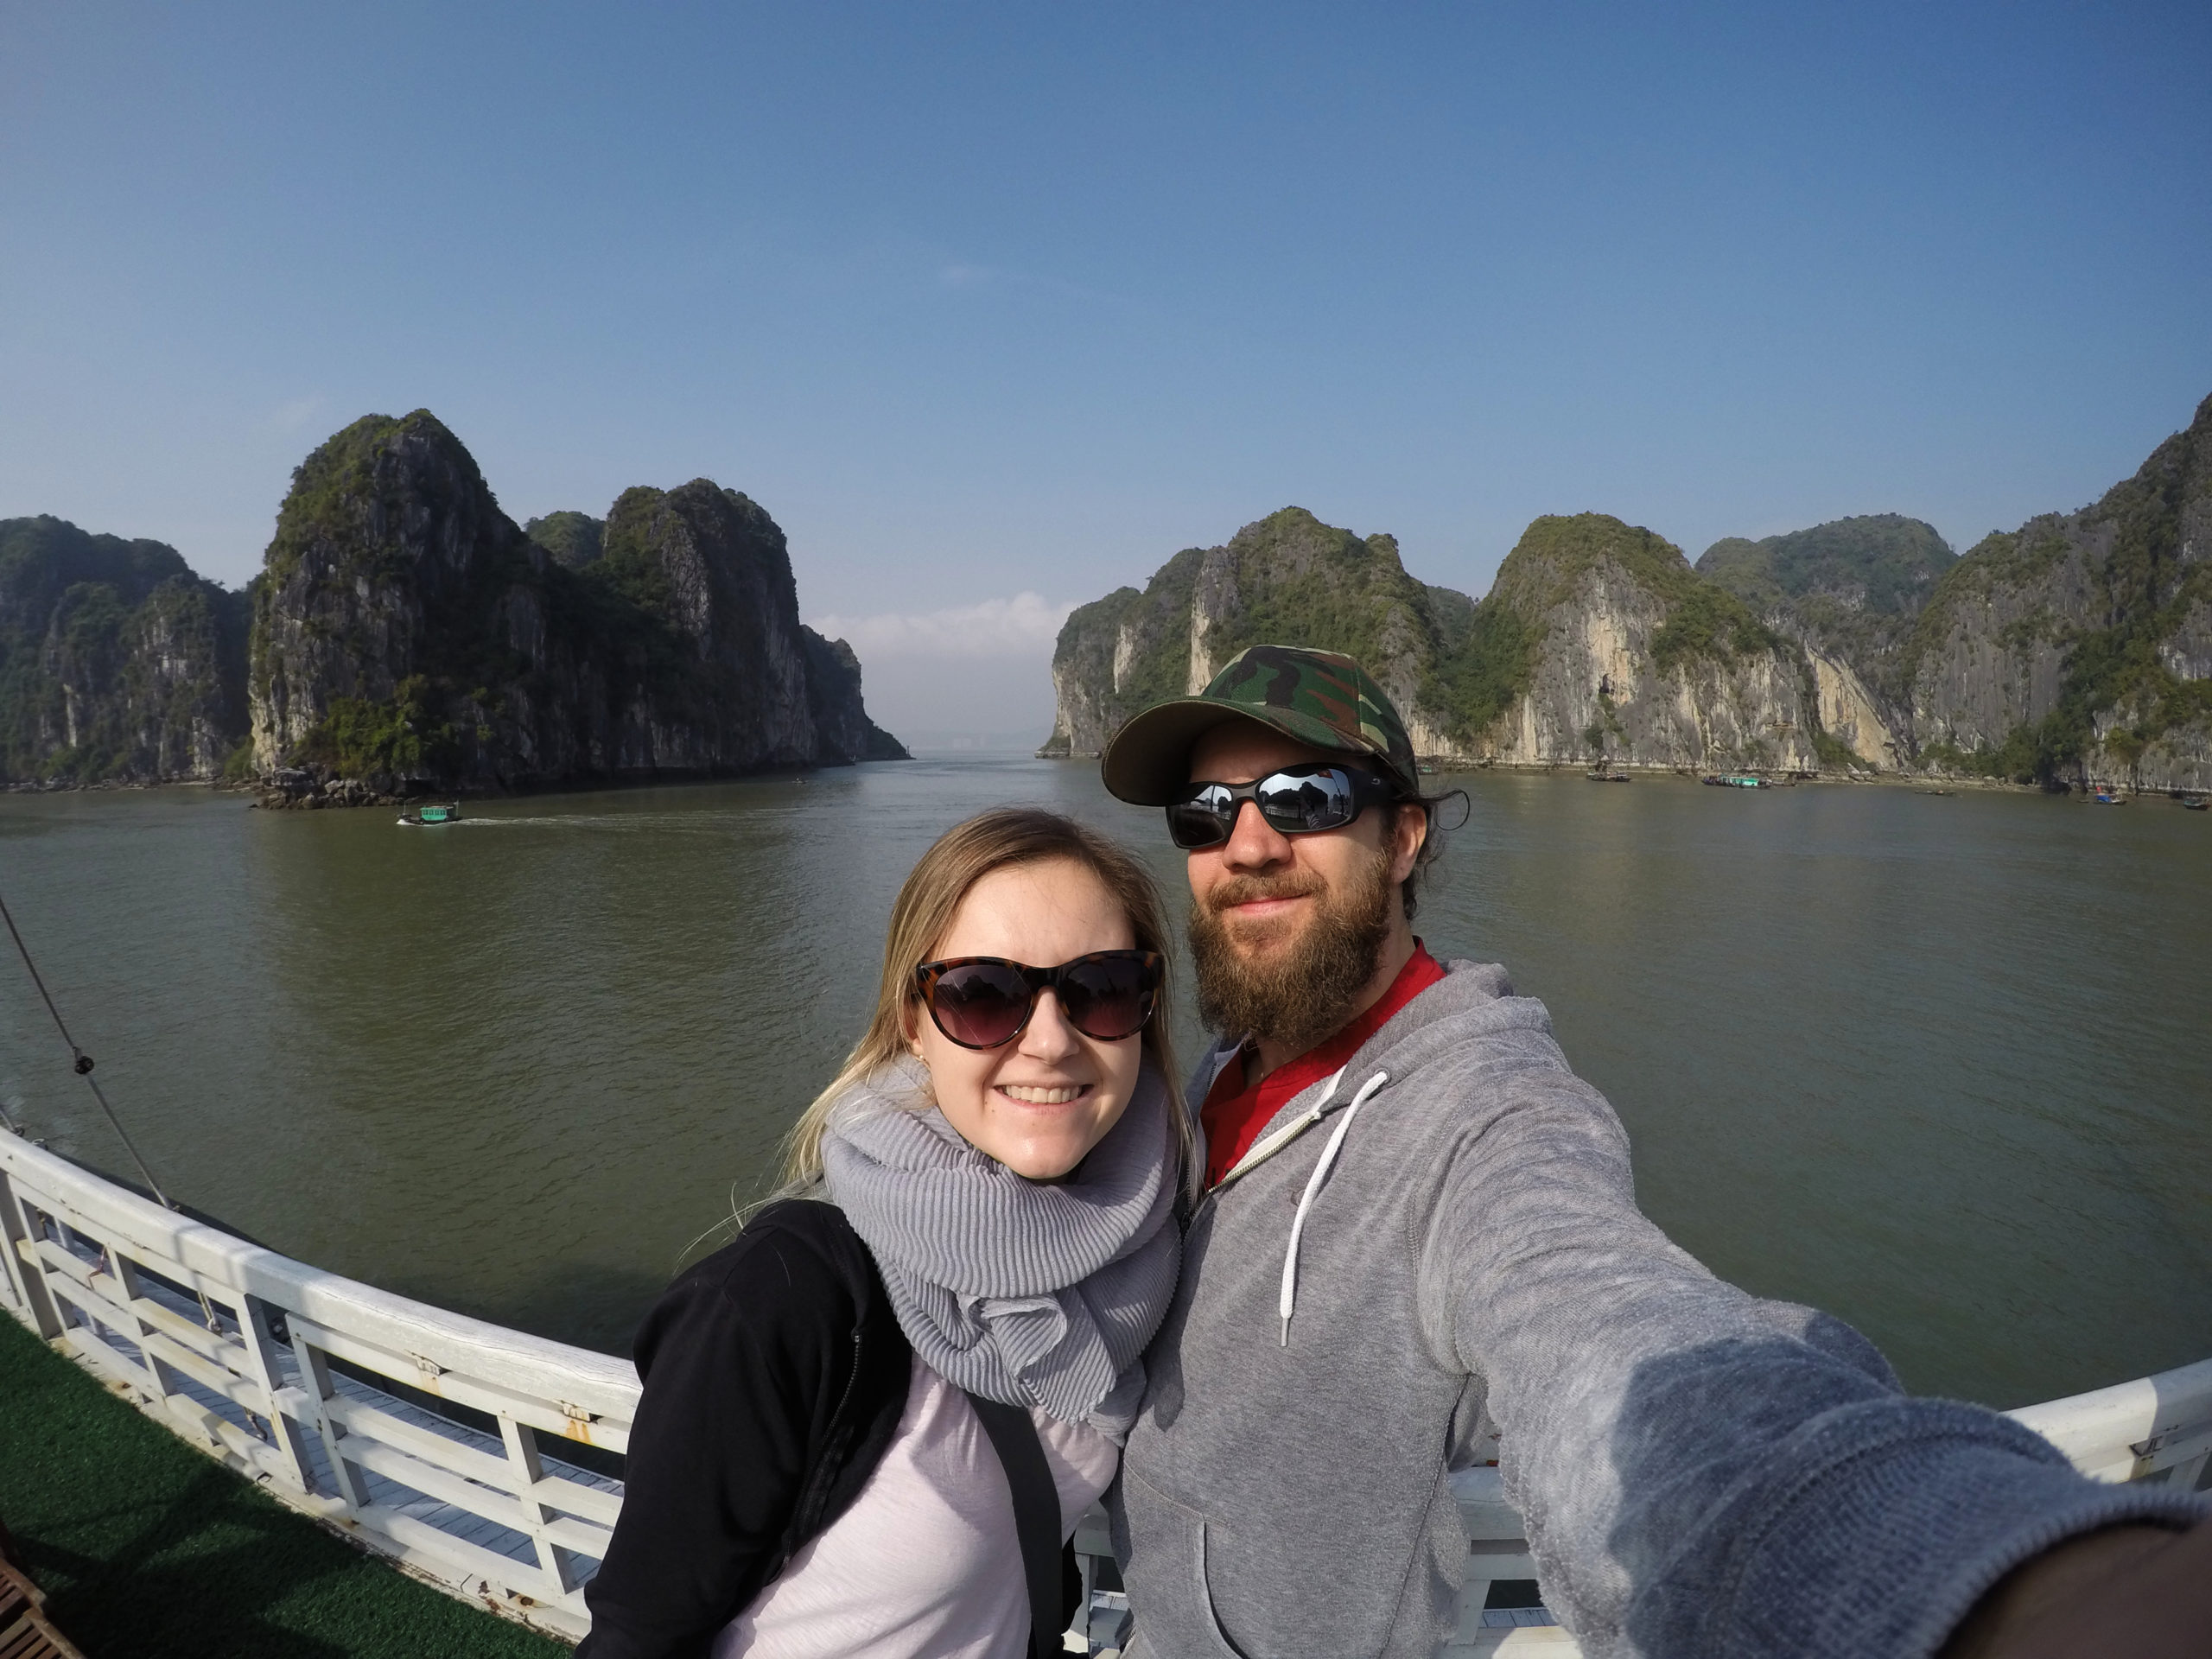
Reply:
x=1548, y=568
x=1456, y=666
x=1850, y=588
x=573, y=538
x=116, y=663
x=398, y=735
x=408, y=634
x=2110, y=588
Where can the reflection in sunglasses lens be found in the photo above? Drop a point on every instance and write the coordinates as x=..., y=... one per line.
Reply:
x=980, y=1003
x=1108, y=999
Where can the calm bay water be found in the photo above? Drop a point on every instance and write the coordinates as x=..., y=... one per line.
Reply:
x=1940, y=1065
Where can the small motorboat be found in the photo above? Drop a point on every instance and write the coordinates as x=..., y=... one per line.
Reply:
x=1607, y=777
x=1737, y=780
x=428, y=817
x=2105, y=797
x=2195, y=803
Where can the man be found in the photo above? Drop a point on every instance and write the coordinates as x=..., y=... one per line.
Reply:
x=1416, y=1216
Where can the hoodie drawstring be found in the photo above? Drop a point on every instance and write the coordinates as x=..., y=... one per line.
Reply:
x=1289, y=1300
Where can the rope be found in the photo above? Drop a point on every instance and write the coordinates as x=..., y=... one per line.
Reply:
x=81, y=1061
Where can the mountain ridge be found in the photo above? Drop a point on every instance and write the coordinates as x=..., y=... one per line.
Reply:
x=2077, y=648
x=119, y=663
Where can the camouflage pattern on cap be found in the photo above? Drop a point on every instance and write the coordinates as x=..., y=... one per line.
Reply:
x=1323, y=699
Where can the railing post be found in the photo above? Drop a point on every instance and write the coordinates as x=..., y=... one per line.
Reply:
x=283, y=1427
x=26, y=1283
x=315, y=1373
x=125, y=1271
x=521, y=1456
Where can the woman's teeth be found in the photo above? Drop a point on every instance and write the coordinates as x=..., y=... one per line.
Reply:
x=1029, y=1096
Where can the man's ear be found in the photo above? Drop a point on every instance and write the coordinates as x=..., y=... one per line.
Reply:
x=1411, y=833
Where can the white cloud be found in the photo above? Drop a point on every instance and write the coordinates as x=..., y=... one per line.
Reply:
x=1026, y=625
x=957, y=276
x=292, y=416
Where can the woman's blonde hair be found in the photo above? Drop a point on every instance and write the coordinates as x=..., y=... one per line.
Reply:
x=963, y=856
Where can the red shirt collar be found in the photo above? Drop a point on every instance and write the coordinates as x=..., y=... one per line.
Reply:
x=1234, y=1115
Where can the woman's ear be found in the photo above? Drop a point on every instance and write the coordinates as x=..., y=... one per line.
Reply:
x=910, y=1029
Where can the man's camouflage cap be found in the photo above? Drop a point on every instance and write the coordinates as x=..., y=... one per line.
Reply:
x=1320, y=698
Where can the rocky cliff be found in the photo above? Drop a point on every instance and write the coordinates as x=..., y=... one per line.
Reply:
x=1288, y=577
x=408, y=634
x=1598, y=641
x=2076, y=649
x=116, y=663
x=1617, y=650
x=1851, y=590
x=2079, y=646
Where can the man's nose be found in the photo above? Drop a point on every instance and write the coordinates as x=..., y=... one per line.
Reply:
x=1254, y=843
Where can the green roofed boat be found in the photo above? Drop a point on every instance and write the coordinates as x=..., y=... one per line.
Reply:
x=425, y=817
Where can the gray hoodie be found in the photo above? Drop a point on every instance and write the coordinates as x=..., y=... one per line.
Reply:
x=1449, y=1226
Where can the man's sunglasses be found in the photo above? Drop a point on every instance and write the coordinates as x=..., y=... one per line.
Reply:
x=983, y=1001
x=1297, y=801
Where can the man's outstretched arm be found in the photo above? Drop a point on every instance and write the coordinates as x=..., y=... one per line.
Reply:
x=1703, y=1472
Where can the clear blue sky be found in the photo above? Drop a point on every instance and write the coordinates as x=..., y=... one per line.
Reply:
x=987, y=301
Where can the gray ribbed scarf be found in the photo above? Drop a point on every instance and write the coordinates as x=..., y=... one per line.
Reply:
x=1029, y=1293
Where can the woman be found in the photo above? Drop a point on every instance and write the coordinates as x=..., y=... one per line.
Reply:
x=816, y=1466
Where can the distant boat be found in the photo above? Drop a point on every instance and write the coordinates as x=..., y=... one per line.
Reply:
x=1607, y=777
x=1737, y=780
x=1935, y=791
x=2105, y=797
x=430, y=816
x=2195, y=803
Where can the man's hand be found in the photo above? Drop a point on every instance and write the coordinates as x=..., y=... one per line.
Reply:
x=2143, y=1591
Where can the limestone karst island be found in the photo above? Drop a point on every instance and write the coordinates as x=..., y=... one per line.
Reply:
x=406, y=638
x=2074, y=650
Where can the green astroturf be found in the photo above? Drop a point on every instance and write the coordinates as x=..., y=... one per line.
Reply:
x=148, y=1549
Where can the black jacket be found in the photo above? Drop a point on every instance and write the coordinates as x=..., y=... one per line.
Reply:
x=775, y=1374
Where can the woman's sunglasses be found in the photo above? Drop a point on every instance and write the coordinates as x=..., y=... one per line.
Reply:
x=982, y=1001
x=1297, y=801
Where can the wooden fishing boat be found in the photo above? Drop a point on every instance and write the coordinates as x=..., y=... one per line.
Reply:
x=428, y=817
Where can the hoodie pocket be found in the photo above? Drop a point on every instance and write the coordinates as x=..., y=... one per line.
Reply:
x=1221, y=1641
x=1165, y=1573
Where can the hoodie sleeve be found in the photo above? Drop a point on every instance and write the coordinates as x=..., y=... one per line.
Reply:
x=1703, y=1472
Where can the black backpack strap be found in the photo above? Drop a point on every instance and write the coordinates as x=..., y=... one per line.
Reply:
x=1036, y=1516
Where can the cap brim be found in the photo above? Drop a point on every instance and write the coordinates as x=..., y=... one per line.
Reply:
x=1148, y=763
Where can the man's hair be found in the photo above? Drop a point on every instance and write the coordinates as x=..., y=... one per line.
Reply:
x=1432, y=845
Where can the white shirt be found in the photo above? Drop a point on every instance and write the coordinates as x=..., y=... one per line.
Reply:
x=926, y=1563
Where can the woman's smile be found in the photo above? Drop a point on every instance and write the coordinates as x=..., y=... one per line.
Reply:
x=1040, y=1094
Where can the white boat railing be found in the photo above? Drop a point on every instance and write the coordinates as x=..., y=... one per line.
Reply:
x=487, y=1461
x=474, y=1456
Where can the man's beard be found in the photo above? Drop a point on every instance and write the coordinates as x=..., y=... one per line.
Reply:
x=1301, y=988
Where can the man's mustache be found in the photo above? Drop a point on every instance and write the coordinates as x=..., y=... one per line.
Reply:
x=1245, y=889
